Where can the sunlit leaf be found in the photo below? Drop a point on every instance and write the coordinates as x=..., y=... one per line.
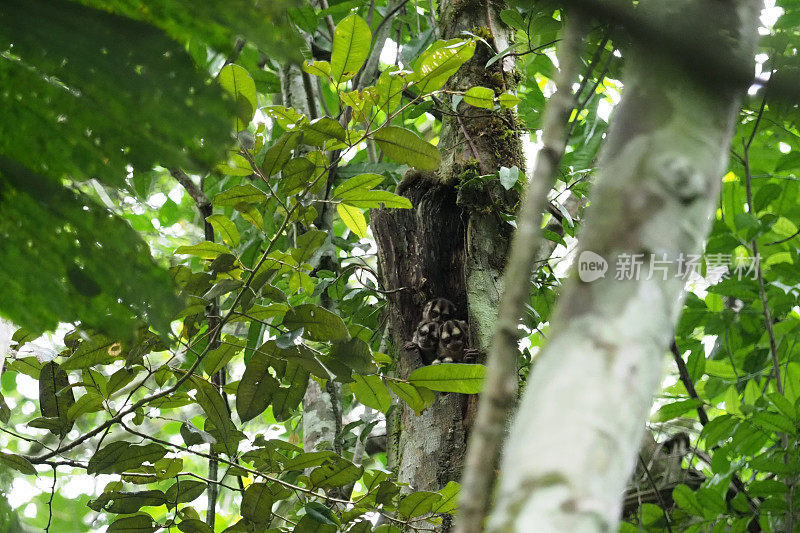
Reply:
x=351, y=42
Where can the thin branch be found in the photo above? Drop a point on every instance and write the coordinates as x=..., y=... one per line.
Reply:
x=501, y=377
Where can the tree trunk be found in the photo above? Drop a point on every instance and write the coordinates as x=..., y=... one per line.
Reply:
x=566, y=466
x=452, y=244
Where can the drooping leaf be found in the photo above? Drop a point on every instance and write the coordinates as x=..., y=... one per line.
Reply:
x=371, y=391
x=307, y=244
x=449, y=501
x=56, y=397
x=351, y=41
x=226, y=229
x=450, y=377
x=353, y=218
x=405, y=146
x=97, y=350
x=280, y=152
x=237, y=81
x=220, y=357
x=122, y=502
x=203, y=250
x=256, y=388
x=214, y=406
x=18, y=463
x=184, y=491
x=418, y=398
x=440, y=61
x=257, y=503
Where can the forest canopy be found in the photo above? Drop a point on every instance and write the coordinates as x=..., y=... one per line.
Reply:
x=227, y=230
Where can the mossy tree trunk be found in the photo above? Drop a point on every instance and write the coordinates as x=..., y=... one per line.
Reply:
x=452, y=244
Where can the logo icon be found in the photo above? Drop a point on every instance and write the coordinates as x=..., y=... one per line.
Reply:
x=591, y=266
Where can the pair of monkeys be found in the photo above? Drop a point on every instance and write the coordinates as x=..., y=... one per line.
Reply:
x=439, y=337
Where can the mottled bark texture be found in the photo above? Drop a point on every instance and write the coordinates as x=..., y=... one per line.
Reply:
x=321, y=405
x=452, y=244
x=574, y=441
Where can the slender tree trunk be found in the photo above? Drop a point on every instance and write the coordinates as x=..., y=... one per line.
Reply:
x=321, y=405
x=574, y=441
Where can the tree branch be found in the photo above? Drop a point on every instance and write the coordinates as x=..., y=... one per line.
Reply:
x=501, y=376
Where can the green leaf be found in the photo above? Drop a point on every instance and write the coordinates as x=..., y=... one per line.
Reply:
x=418, y=398
x=215, y=408
x=309, y=460
x=120, y=456
x=450, y=377
x=226, y=229
x=308, y=524
x=18, y=463
x=390, y=89
x=371, y=391
x=235, y=165
x=405, y=146
x=356, y=184
x=237, y=81
x=366, y=199
x=351, y=45
x=353, y=219
x=318, y=68
x=687, y=500
x=675, y=409
x=194, y=526
x=121, y=502
x=140, y=523
x=480, y=97
x=418, y=503
x=257, y=503
x=508, y=100
x=184, y=491
x=307, y=244
x=220, y=357
x=111, y=71
x=336, y=474
x=440, y=61
x=90, y=402
x=203, y=250
x=355, y=354
x=66, y=259
x=280, y=152
x=774, y=422
x=449, y=501
x=55, y=397
x=97, y=350
x=319, y=323
x=321, y=130
x=296, y=175
x=248, y=194
x=321, y=514
x=256, y=388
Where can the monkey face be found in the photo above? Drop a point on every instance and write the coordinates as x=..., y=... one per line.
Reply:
x=427, y=336
x=453, y=337
x=438, y=310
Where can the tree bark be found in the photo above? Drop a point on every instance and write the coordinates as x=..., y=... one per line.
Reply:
x=575, y=438
x=452, y=244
